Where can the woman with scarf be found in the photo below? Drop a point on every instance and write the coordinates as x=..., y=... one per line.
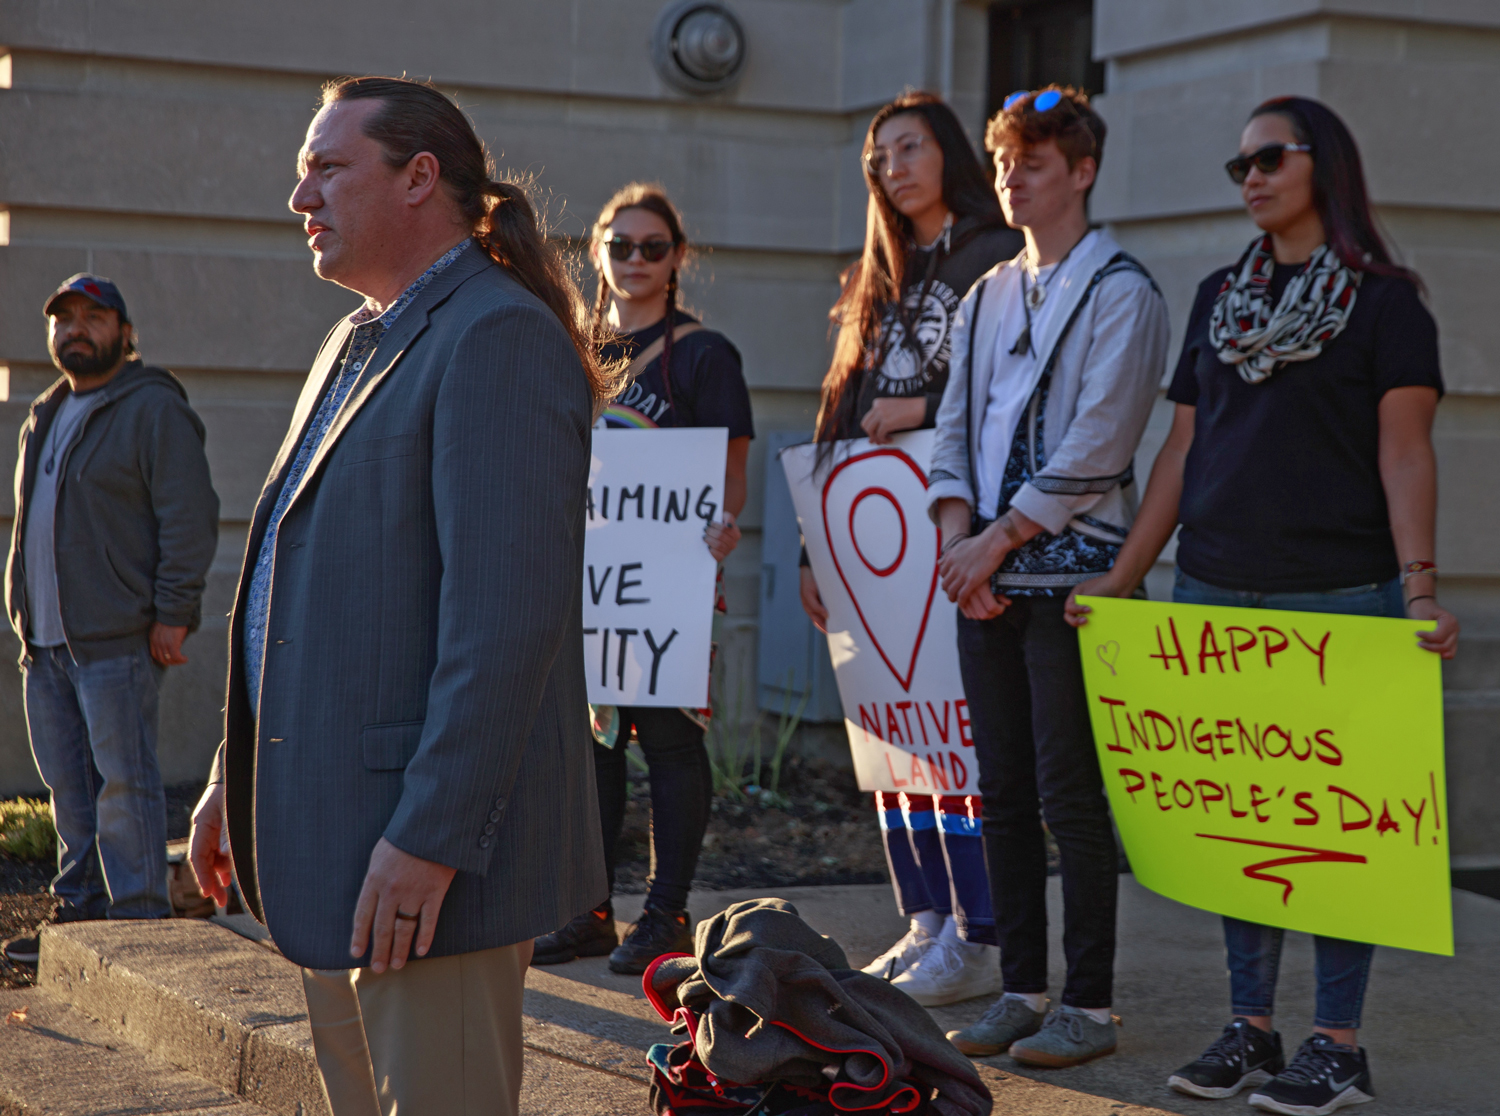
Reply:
x=934, y=226
x=1300, y=466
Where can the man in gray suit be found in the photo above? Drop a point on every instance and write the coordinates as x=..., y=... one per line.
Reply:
x=406, y=763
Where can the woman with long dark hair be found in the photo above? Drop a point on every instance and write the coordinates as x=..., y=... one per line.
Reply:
x=679, y=374
x=1301, y=469
x=933, y=227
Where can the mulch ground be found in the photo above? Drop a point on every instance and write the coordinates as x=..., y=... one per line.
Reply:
x=824, y=832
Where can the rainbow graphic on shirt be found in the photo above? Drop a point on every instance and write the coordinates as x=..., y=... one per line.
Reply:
x=618, y=415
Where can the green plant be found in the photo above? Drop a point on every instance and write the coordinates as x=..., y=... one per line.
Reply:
x=26, y=829
x=786, y=726
x=730, y=742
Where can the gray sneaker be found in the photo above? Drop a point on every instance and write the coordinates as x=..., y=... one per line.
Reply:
x=1067, y=1038
x=1007, y=1020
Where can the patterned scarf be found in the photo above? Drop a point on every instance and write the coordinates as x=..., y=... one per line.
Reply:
x=1257, y=337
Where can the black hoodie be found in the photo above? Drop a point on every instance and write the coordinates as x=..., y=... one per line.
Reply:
x=900, y=369
x=137, y=517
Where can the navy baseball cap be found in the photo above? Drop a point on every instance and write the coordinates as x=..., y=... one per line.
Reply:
x=95, y=287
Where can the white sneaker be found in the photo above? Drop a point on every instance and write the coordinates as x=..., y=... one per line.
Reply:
x=896, y=960
x=950, y=970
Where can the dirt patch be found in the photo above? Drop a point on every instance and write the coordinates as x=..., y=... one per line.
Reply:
x=820, y=830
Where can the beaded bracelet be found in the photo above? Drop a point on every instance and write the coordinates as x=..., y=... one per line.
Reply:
x=1412, y=569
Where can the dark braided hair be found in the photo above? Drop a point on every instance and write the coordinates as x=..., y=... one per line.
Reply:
x=415, y=117
x=653, y=199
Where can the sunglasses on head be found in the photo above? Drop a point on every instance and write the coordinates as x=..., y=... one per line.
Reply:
x=1267, y=160
x=1045, y=100
x=652, y=251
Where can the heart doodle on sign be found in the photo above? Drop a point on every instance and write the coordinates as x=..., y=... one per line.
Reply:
x=1109, y=654
x=885, y=558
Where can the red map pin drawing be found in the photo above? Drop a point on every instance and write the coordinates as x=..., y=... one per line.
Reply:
x=885, y=549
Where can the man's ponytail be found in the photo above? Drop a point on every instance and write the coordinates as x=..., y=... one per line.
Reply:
x=417, y=117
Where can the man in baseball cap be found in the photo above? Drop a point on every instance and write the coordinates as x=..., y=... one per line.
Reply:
x=102, y=588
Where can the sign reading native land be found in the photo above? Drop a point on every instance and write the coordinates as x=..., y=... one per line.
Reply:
x=1280, y=767
x=891, y=629
x=648, y=576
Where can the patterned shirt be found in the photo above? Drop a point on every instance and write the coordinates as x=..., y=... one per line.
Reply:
x=369, y=328
x=1047, y=565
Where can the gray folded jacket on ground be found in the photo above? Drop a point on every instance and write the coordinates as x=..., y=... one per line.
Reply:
x=771, y=999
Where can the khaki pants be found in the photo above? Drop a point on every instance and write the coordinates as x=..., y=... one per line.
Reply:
x=440, y=1037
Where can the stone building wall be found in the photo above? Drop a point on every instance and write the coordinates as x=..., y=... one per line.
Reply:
x=154, y=141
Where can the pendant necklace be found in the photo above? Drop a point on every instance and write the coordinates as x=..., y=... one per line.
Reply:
x=1032, y=297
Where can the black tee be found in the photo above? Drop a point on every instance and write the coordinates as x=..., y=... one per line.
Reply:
x=708, y=383
x=1282, y=489
x=900, y=369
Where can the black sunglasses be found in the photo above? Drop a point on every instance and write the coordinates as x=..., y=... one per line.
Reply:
x=1267, y=160
x=652, y=251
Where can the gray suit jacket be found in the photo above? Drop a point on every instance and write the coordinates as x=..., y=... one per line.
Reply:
x=424, y=664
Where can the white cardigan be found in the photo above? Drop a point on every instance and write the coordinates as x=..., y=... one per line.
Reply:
x=1106, y=346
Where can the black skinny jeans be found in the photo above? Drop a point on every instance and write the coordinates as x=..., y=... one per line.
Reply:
x=682, y=788
x=1035, y=749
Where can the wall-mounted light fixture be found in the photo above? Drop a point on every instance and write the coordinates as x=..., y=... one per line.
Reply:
x=698, y=47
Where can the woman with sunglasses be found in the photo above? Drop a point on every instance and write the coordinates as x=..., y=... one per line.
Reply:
x=681, y=374
x=1301, y=469
x=934, y=226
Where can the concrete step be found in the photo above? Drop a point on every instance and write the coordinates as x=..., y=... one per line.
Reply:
x=229, y=1012
x=59, y=1062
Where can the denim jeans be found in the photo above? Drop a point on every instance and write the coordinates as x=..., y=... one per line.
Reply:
x=1343, y=968
x=934, y=847
x=93, y=735
x=682, y=788
x=1035, y=748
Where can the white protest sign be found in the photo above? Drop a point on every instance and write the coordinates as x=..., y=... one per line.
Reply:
x=648, y=578
x=891, y=629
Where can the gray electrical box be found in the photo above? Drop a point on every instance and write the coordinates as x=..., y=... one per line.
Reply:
x=793, y=656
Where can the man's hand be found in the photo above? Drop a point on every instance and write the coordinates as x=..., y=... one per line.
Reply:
x=812, y=600
x=888, y=416
x=1443, y=639
x=722, y=538
x=166, y=645
x=211, y=864
x=398, y=883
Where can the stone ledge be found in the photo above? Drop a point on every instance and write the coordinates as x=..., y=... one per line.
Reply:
x=208, y=1001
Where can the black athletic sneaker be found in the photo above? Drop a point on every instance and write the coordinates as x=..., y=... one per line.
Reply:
x=1242, y=1055
x=27, y=950
x=591, y=934
x=656, y=933
x=1324, y=1076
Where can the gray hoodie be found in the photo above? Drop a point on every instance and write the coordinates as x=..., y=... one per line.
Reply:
x=137, y=518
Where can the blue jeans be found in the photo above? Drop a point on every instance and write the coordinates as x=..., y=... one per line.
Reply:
x=1343, y=968
x=934, y=847
x=93, y=735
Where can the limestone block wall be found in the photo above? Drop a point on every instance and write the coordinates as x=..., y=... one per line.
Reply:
x=154, y=141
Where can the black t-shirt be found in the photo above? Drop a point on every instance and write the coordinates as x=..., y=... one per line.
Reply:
x=901, y=370
x=708, y=383
x=1282, y=489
